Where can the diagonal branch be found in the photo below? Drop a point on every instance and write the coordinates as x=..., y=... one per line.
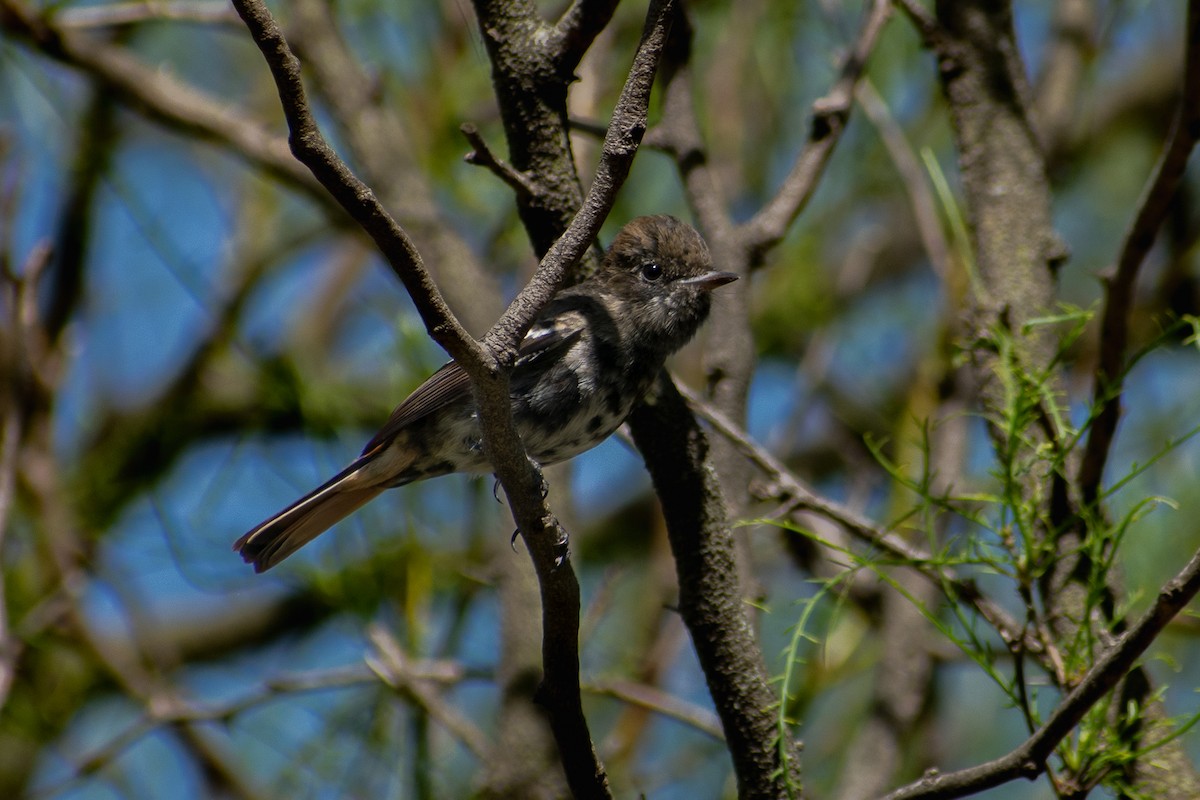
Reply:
x=578, y=27
x=830, y=114
x=1119, y=286
x=310, y=148
x=159, y=96
x=1029, y=760
x=799, y=496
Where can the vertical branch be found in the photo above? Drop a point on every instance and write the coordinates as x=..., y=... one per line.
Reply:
x=559, y=692
x=710, y=598
x=531, y=69
x=676, y=450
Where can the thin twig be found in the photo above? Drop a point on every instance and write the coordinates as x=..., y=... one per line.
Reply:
x=801, y=497
x=110, y=15
x=660, y=702
x=482, y=156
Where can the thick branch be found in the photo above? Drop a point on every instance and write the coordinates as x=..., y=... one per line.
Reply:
x=696, y=514
x=710, y=601
x=559, y=692
x=532, y=92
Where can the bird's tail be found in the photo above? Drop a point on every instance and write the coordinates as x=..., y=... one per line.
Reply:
x=277, y=537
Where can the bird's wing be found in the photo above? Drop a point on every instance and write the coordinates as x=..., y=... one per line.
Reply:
x=451, y=384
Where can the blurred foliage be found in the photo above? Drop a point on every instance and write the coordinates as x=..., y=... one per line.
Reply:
x=232, y=345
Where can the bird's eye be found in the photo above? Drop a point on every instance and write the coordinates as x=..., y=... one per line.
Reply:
x=651, y=271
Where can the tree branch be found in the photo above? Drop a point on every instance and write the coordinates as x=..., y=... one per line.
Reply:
x=1119, y=286
x=710, y=601
x=130, y=13
x=578, y=27
x=530, y=82
x=160, y=97
x=311, y=149
x=482, y=156
x=1029, y=760
x=830, y=113
x=487, y=362
x=662, y=703
x=559, y=691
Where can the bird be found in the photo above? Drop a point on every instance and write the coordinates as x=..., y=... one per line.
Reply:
x=588, y=358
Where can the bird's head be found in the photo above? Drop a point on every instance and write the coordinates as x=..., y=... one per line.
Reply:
x=660, y=270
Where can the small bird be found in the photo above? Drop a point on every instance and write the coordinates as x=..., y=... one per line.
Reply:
x=586, y=361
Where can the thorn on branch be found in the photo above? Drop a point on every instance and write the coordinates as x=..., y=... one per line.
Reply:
x=481, y=156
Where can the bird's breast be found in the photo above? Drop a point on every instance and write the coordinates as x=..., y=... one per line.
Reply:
x=577, y=402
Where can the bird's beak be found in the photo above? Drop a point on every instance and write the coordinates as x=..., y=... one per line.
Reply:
x=711, y=280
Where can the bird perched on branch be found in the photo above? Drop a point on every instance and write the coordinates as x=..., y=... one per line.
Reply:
x=587, y=360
